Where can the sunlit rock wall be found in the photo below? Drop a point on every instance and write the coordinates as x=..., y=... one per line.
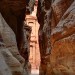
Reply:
x=57, y=36
x=63, y=43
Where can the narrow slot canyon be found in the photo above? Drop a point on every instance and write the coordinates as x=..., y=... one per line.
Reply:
x=37, y=37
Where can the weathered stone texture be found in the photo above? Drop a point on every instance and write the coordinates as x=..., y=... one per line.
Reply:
x=63, y=44
x=25, y=51
x=4, y=69
x=10, y=51
x=12, y=16
x=57, y=34
x=44, y=10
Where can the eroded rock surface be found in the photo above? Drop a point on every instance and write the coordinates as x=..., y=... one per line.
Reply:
x=57, y=36
x=63, y=44
x=9, y=49
x=12, y=16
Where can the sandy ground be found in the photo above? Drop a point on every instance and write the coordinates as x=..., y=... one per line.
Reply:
x=35, y=72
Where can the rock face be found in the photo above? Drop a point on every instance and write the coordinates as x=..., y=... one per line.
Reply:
x=63, y=42
x=57, y=36
x=26, y=52
x=9, y=49
x=44, y=9
x=12, y=16
x=29, y=6
x=4, y=69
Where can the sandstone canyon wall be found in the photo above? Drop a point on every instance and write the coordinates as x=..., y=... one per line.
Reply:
x=57, y=36
x=9, y=49
x=14, y=37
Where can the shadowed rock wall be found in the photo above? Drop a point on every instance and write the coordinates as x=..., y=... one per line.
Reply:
x=13, y=38
x=9, y=50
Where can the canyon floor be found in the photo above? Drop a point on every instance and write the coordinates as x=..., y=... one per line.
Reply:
x=35, y=72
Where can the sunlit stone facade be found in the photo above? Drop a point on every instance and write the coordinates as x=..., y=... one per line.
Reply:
x=34, y=58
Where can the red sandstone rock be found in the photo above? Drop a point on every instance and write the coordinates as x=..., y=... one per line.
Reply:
x=61, y=20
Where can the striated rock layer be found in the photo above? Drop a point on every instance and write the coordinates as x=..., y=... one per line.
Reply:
x=57, y=36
